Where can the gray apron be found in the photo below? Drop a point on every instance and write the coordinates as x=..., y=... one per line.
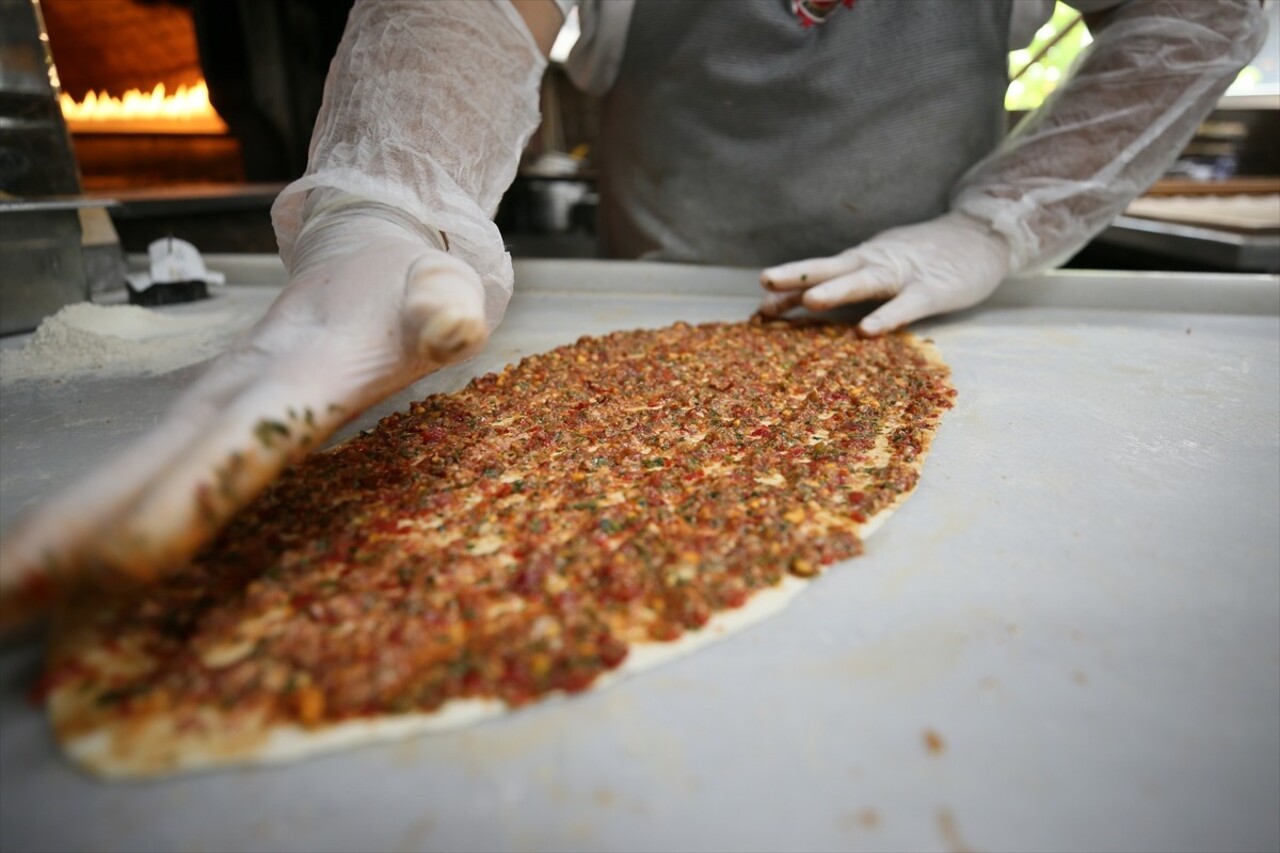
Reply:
x=732, y=135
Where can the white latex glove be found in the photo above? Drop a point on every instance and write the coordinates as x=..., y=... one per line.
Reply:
x=373, y=305
x=1134, y=99
x=395, y=268
x=945, y=264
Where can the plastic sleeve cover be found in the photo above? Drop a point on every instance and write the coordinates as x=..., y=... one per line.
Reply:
x=427, y=108
x=1154, y=71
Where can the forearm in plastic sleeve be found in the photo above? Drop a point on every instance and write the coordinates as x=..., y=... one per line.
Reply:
x=427, y=108
x=1133, y=102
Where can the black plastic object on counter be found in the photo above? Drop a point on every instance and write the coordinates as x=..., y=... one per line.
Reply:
x=169, y=293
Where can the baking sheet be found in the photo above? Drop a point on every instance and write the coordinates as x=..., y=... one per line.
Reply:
x=1069, y=638
x=1248, y=212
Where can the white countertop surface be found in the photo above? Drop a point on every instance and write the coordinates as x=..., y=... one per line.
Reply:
x=1080, y=606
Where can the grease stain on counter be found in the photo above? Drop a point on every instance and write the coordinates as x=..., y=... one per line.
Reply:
x=520, y=733
x=859, y=820
x=406, y=753
x=933, y=742
x=601, y=798
x=990, y=690
x=910, y=660
x=612, y=315
x=415, y=835
x=950, y=832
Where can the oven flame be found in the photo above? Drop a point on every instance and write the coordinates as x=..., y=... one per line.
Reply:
x=185, y=111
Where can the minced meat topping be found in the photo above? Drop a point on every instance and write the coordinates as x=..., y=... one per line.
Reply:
x=514, y=538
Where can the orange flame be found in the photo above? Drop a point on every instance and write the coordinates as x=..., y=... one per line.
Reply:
x=185, y=111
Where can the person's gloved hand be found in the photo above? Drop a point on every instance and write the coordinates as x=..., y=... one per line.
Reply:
x=372, y=305
x=427, y=107
x=945, y=264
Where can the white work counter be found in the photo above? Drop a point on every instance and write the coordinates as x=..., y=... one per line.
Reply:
x=1068, y=639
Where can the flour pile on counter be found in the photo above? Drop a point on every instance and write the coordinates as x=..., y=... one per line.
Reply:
x=117, y=340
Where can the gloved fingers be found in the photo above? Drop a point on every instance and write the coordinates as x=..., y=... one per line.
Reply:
x=57, y=538
x=223, y=379
x=444, y=317
x=239, y=451
x=776, y=304
x=870, y=282
x=54, y=539
x=907, y=307
x=799, y=275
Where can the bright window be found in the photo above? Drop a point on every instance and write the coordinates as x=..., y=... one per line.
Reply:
x=1050, y=55
x=1061, y=40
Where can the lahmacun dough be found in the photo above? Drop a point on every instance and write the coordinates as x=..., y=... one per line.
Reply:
x=587, y=513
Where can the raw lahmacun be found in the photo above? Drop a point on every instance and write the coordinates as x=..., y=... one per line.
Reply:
x=587, y=512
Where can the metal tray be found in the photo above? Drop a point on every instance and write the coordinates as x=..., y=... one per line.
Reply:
x=1069, y=638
